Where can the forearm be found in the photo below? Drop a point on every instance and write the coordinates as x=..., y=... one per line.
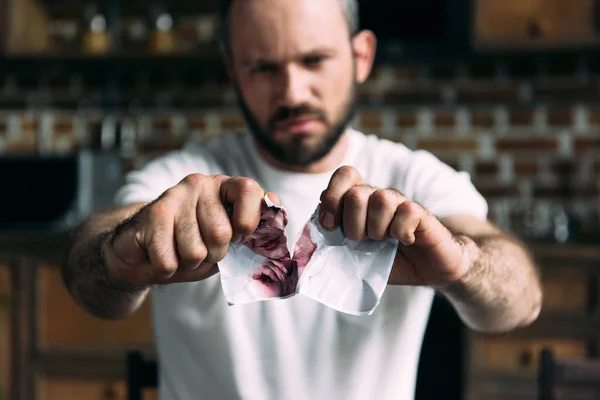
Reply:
x=501, y=290
x=87, y=276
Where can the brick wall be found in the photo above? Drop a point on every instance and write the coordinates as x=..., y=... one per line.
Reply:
x=527, y=131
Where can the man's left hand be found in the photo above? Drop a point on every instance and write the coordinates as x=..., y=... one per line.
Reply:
x=428, y=253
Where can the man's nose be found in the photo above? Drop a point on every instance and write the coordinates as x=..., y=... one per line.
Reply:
x=294, y=87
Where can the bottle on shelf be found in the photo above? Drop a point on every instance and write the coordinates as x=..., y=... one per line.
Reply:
x=96, y=38
x=162, y=36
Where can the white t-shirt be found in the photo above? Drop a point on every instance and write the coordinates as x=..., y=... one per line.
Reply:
x=296, y=348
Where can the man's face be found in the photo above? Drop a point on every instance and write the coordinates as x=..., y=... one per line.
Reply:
x=294, y=69
x=269, y=240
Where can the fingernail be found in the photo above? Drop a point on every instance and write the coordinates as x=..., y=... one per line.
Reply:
x=328, y=221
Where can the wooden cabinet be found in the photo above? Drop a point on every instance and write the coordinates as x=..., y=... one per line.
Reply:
x=57, y=350
x=505, y=366
x=534, y=23
x=521, y=356
x=62, y=324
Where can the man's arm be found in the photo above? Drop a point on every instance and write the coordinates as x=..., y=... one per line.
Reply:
x=501, y=289
x=87, y=276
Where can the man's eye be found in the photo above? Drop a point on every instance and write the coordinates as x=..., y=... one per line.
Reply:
x=261, y=223
x=266, y=68
x=313, y=61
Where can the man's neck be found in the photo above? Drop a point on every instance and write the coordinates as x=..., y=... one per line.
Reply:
x=327, y=163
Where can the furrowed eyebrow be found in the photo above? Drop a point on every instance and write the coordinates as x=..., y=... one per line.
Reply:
x=325, y=51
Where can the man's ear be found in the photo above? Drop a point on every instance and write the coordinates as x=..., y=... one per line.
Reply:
x=364, y=46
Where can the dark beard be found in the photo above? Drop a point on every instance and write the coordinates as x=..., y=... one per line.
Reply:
x=298, y=154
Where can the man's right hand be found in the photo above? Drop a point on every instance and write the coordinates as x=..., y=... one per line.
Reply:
x=182, y=235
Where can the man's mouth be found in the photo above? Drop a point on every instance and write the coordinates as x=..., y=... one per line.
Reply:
x=301, y=125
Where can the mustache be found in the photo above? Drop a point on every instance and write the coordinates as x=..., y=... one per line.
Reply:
x=285, y=113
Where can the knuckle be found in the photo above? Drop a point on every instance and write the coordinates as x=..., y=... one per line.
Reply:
x=163, y=266
x=198, y=254
x=355, y=195
x=383, y=199
x=411, y=208
x=193, y=180
x=219, y=236
x=160, y=210
x=247, y=186
x=346, y=172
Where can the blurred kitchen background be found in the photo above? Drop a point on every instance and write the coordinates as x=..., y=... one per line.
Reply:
x=507, y=90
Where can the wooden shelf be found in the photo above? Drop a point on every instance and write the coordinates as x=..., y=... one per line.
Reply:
x=203, y=53
x=138, y=8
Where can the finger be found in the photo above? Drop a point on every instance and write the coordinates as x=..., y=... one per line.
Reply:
x=157, y=237
x=190, y=247
x=354, y=216
x=380, y=213
x=123, y=244
x=125, y=257
x=215, y=227
x=331, y=200
x=203, y=271
x=247, y=198
x=406, y=221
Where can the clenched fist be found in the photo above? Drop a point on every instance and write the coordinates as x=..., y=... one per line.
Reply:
x=182, y=235
x=428, y=253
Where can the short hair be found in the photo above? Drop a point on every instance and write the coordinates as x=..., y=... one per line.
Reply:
x=350, y=8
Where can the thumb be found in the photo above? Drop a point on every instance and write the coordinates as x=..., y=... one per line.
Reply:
x=127, y=245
